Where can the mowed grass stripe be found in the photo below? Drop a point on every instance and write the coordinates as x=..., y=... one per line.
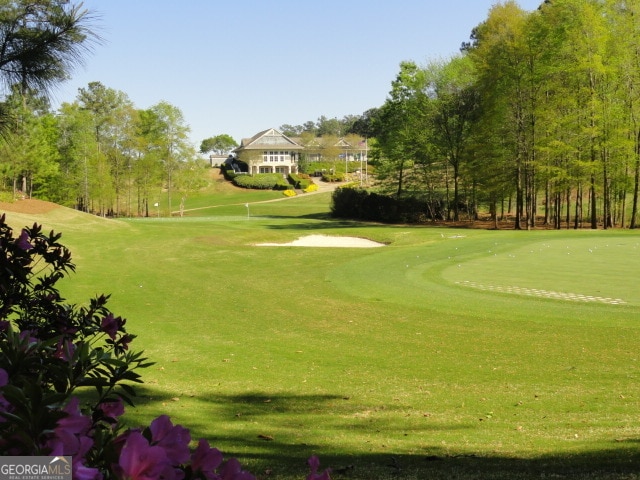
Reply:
x=535, y=292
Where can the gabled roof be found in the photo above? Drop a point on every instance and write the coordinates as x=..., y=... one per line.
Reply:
x=270, y=139
x=315, y=142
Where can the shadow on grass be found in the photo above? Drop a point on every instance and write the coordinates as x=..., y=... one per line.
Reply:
x=327, y=222
x=284, y=456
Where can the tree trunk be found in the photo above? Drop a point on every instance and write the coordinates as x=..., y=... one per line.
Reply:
x=557, y=214
x=547, y=200
x=519, y=196
x=400, y=179
x=636, y=185
x=606, y=194
x=594, y=206
x=568, y=213
x=456, y=195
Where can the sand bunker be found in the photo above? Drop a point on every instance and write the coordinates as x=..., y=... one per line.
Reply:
x=326, y=241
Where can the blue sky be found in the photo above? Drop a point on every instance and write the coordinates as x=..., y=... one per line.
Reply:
x=242, y=66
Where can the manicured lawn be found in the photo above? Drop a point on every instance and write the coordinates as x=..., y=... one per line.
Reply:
x=446, y=354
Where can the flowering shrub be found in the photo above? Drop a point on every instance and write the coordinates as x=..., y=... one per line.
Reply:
x=51, y=351
x=311, y=188
x=289, y=193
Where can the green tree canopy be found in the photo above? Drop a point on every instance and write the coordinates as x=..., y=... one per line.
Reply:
x=220, y=144
x=41, y=42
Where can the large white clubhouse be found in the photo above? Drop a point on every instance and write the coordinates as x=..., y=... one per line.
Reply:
x=269, y=152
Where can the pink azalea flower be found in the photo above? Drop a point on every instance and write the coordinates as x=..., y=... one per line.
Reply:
x=314, y=464
x=112, y=408
x=232, y=470
x=28, y=334
x=65, y=350
x=120, y=441
x=70, y=437
x=22, y=242
x=141, y=461
x=80, y=471
x=124, y=341
x=4, y=404
x=173, y=439
x=74, y=422
x=110, y=325
x=206, y=460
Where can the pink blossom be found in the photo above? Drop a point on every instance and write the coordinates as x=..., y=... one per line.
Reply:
x=173, y=439
x=232, y=470
x=110, y=325
x=314, y=464
x=125, y=340
x=74, y=422
x=120, y=441
x=70, y=437
x=28, y=334
x=81, y=472
x=112, y=408
x=65, y=350
x=22, y=242
x=5, y=406
x=205, y=460
x=141, y=461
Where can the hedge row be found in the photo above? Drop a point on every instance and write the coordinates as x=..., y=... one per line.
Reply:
x=300, y=181
x=262, y=181
x=360, y=204
x=228, y=173
x=270, y=181
x=333, y=177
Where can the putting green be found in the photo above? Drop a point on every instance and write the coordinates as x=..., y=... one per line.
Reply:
x=593, y=269
x=492, y=274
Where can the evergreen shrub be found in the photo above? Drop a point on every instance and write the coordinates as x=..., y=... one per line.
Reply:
x=300, y=181
x=361, y=204
x=262, y=181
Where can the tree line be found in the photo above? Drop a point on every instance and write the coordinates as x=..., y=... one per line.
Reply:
x=98, y=153
x=539, y=115
x=537, y=119
x=323, y=127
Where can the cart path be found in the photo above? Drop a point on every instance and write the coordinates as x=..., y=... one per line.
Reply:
x=322, y=188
